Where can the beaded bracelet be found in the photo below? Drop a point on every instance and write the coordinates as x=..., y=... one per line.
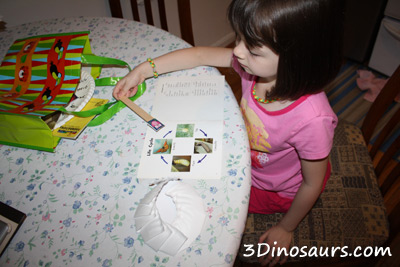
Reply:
x=155, y=73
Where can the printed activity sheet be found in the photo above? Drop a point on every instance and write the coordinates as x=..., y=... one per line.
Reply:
x=190, y=144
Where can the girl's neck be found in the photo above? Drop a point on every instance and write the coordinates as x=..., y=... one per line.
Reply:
x=263, y=86
x=266, y=84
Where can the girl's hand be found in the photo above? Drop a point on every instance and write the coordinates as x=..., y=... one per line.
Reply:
x=128, y=86
x=276, y=237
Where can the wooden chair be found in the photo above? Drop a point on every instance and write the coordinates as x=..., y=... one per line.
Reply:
x=185, y=19
x=360, y=205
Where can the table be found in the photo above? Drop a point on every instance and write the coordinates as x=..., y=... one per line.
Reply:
x=80, y=200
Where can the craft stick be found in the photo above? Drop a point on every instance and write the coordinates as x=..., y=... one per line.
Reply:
x=152, y=122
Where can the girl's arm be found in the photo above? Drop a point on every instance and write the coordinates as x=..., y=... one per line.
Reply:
x=313, y=178
x=177, y=60
x=310, y=189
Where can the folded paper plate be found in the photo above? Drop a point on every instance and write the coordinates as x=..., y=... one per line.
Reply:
x=170, y=237
x=81, y=97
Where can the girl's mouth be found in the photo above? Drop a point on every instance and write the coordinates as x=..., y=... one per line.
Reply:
x=243, y=66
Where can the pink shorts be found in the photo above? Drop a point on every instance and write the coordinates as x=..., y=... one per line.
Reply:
x=268, y=202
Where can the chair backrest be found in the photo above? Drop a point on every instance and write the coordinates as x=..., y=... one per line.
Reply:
x=377, y=111
x=185, y=18
x=387, y=167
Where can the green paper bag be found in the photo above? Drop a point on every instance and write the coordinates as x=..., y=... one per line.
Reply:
x=38, y=77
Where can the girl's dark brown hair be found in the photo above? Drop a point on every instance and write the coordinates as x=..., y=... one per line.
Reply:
x=306, y=34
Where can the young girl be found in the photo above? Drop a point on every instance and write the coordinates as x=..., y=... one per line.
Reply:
x=286, y=52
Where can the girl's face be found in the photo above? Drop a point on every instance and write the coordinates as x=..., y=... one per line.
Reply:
x=259, y=61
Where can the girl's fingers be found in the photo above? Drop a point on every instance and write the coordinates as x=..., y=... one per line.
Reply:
x=264, y=261
x=283, y=261
x=117, y=89
x=133, y=91
x=275, y=261
x=263, y=237
x=123, y=89
x=128, y=85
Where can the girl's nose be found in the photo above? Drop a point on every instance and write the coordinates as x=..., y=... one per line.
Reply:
x=239, y=50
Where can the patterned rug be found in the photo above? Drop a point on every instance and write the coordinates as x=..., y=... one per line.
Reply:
x=348, y=102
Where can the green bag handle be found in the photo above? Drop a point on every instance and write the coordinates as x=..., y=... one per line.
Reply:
x=98, y=60
x=106, y=111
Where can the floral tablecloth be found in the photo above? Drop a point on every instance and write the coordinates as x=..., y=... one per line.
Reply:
x=80, y=200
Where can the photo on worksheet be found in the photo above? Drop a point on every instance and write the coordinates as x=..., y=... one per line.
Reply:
x=203, y=145
x=184, y=130
x=181, y=163
x=162, y=146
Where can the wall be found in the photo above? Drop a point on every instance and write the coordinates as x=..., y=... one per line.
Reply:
x=16, y=12
x=210, y=23
x=206, y=15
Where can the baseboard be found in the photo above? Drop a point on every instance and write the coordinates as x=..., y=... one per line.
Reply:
x=225, y=40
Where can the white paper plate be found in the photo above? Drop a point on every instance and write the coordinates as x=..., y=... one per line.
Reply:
x=83, y=92
x=166, y=233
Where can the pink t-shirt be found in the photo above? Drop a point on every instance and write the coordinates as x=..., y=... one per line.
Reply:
x=279, y=139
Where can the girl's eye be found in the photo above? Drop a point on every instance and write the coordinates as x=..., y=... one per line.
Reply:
x=253, y=54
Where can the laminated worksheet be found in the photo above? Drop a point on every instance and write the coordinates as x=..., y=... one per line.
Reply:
x=190, y=144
